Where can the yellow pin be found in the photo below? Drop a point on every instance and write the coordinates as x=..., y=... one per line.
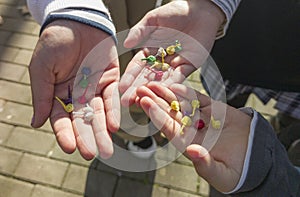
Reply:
x=216, y=124
x=186, y=122
x=195, y=104
x=175, y=105
x=68, y=108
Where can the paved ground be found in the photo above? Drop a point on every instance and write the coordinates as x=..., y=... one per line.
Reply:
x=31, y=163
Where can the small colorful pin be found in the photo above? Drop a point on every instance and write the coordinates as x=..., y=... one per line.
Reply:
x=175, y=106
x=186, y=122
x=178, y=46
x=165, y=66
x=171, y=50
x=151, y=59
x=87, y=113
x=82, y=99
x=216, y=124
x=161, y=52
x=158, y=75
x=67, y=107
x=156, y=65
x=195, y=104
x=86, y=72
x=199, y=124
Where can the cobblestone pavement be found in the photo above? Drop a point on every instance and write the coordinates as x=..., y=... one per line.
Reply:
x=31, y=163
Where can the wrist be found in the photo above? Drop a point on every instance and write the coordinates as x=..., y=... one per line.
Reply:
x=210, y=9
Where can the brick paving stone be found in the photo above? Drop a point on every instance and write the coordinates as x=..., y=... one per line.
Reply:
x=9, y=11
x=19, y=25
x=42, y=191
x=47, y=127
x=128, y=188
x=179, y=176
x=23, y=57
x=100, y=184
x=5, y=131
x=184, y=160
x=40, y=169
x=75, y=157
x=25, y=78
x=175, y=193
x=204, y=187
x=9, y=160
x=11, y=71
x=8, y=53
x=9, y=2
x=36, y=30
x=14, y=188
x=4, y=35
x=75, y=178
x=158, y=191
x=142, y=176
x=16, y=114
x=15, y=92
x=22, y=41
x=31, y=140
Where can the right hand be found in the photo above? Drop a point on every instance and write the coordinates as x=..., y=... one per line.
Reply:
x=59, y=53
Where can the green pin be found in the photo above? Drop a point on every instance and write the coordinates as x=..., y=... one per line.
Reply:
x=150, y=59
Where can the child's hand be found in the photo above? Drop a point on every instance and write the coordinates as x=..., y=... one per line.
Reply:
x=193, y=23
x=221, y=165
x=59, y=53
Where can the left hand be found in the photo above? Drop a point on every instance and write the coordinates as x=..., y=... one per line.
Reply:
x=222, y=165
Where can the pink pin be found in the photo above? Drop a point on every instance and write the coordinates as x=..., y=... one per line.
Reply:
x=199, y=124
x=82, y=99
x=158, y=74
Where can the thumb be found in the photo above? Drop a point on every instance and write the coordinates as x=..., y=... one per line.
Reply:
x=198, y=155
x=42, y=88
x=140, y=31
x=216, y=173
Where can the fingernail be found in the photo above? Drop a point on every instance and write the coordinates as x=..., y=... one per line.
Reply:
x=197, y=152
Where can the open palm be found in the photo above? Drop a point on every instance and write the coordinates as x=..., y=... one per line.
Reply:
x=61, y=50
x=194, y=23
x=220, y=164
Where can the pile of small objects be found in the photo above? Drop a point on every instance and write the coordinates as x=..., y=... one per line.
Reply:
x=160, y=66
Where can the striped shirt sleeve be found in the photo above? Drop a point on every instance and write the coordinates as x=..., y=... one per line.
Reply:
x=228, y=7
x=90, y=12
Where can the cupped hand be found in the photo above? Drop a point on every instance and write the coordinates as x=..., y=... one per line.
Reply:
x=222, y=164
x=56, y=61
x=193, y=23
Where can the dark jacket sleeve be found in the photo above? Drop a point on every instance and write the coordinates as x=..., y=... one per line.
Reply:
x=270, y=172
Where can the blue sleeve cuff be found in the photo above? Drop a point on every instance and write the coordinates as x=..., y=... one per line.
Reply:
x=90, y=17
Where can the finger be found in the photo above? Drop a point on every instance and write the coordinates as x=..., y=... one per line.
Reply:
x=189, y=94
x=112, y=106
x=85, y=138
x=42, y=82
x=160, y=101
x=165, y=123
x=130, y=81
x=140, y=31
x=170, y=96
x=62, y=127
x=161, y=120
x=214, y=172
x=133, y=69
x=102, y=137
